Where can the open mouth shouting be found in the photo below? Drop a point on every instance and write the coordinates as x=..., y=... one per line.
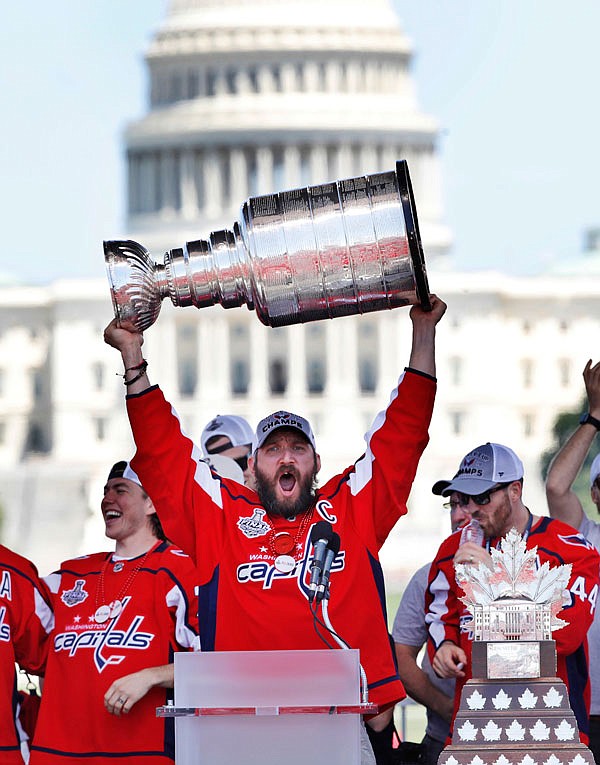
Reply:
x=287, y=480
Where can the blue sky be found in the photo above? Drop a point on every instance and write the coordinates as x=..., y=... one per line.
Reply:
x=512, y=83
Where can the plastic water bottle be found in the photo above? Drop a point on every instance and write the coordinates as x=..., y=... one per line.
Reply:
x=472, y=532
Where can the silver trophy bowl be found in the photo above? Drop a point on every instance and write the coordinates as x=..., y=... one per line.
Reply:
x=342, y=248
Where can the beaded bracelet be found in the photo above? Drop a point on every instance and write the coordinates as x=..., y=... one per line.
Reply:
x=142, y=366
x=143, y=363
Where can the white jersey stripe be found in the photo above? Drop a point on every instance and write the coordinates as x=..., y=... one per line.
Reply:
x=43, y=611
x=185, y=637
x=203, y=476
x=439, y=588
x=363, y=469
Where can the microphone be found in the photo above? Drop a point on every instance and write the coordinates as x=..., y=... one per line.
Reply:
x=320, y=537
x=333, y=549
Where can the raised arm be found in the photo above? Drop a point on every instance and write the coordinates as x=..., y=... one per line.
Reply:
x=164, y=458
x=399, y=434
x=129, y=344
x=422, y=357
x=563, y=503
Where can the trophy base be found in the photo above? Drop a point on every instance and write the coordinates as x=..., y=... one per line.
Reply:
x=514, y=719
x=494, y=660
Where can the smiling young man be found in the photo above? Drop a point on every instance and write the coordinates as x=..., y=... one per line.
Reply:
x=489, y=483
x=118, y=619
x=253, y=549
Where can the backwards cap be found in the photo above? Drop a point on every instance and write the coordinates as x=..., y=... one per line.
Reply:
x=282, y=419
x=235, y=428
x=123, y=469
x=482, y=468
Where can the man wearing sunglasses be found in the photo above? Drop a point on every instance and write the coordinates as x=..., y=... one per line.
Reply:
x=489, y=483
x=229, y=435
x=564, y=504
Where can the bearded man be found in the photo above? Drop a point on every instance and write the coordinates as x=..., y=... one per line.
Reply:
x=489, y=485
x=252, y=549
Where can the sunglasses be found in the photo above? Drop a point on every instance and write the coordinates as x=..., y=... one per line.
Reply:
x=241, y=461
x=479, y=499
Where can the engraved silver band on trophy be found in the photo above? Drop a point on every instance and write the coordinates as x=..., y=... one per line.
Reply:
x=347, y=247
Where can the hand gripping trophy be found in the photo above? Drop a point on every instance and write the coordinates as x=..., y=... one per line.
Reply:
x=514, y=710
x=342, y=248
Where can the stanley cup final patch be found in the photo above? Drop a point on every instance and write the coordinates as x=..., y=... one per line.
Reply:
x=75, y=596
x=254, y=526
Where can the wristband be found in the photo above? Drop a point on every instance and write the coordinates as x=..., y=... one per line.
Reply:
x=587, y=419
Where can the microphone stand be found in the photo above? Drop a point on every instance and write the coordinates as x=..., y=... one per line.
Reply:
x=364, y=690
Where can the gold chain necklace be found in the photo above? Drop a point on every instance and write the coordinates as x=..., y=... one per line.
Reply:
x=105, y=611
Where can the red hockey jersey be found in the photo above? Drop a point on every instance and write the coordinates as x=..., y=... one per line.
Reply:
x=557, y=543
x=158, y=617
x=25, y=621
x=245, y=602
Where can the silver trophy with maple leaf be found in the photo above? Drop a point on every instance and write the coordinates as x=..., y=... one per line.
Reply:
x=514, y=710
x=515, y=608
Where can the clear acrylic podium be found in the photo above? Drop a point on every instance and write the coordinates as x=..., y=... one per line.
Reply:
x=267, y=707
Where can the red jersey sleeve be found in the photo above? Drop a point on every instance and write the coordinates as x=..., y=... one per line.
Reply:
x=395, y=444
x=171, y=470
x=27, y=601
x=568, y=546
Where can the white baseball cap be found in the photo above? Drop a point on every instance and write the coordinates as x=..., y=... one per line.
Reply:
x=483, y=468
x=233, y=427
x=282, y=419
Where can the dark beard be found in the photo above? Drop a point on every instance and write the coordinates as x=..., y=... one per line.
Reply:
x=276, y=509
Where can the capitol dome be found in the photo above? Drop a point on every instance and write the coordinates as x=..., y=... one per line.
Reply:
x=247, y=98
x=293, y=14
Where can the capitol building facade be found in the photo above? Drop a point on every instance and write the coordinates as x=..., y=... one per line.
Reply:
x=248, y=97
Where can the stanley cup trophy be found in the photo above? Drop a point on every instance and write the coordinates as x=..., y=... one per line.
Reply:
x=514, y=710
x=342, y=248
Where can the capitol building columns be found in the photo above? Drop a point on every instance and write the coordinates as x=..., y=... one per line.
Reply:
x=213, y=184
x=291, y=166
x=189, y=189
x=318, y=162
x=239, y=176
x=213, y=350
x=259, y=368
